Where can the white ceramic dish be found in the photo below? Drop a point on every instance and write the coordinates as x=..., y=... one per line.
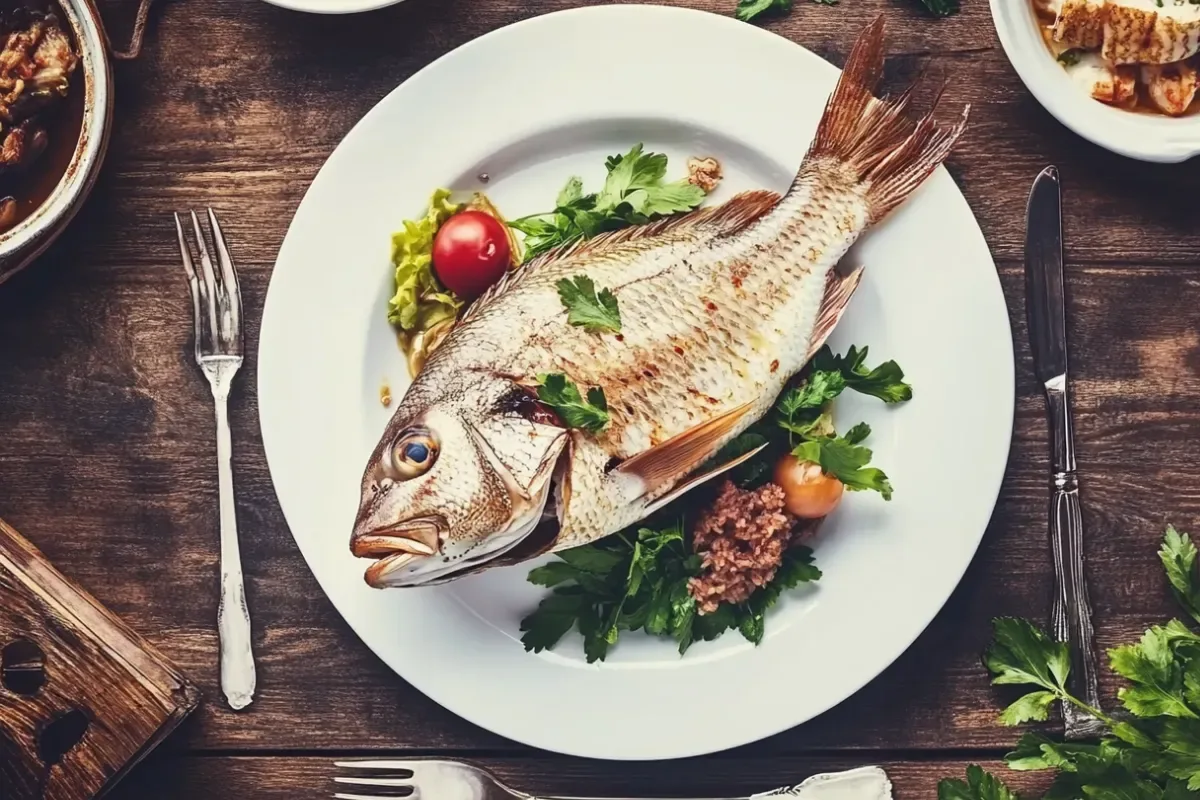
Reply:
x=931, y=299
x=333, y=6
x=1146, y=137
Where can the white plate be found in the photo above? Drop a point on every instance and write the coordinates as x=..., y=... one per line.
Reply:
x=1146, y=137
x=531, y=105
x=333, y=6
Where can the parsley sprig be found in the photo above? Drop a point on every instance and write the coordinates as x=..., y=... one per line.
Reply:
x=1153, y=753
x=594, y=311
x=561, y=394
x=634, y=193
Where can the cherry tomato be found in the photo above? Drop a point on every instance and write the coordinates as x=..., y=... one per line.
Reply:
x=807, y=491
x=470, y=253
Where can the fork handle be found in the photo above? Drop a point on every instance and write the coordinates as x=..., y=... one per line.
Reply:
x=238, y=675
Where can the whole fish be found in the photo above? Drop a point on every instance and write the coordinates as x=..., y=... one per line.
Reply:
x=719, y=309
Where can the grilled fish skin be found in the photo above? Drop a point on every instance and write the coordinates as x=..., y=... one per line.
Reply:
x=720, y=308
x=1129, y=31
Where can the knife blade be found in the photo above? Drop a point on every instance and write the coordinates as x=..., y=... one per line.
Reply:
x=1046, y=308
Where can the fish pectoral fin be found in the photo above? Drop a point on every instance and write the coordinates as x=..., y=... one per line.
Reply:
x=692, y=483
x=682, y=453
x=838, y=291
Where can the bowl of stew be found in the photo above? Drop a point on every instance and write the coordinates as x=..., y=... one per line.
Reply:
x=1121, y=73
x=55, y=118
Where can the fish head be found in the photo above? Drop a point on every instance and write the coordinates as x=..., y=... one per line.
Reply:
x=454, y=484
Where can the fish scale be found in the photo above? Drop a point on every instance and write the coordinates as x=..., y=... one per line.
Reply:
x=719, y=309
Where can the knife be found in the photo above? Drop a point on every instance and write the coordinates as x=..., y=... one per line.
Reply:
x=1071, y=614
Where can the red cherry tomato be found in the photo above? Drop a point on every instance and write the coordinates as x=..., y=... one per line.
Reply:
x=470, y=253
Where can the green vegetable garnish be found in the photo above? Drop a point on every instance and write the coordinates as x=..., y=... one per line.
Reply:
x=638, y=580
x=420, y=301
x=942, y=8
x=1152, y=754
x=587, y=309
x=562, y=395
x=633, y=194
x=885, y=381
x=749, y=9
x=1070, y=57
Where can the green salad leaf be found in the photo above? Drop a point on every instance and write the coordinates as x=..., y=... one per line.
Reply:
x=420, y=301
x=942, y=8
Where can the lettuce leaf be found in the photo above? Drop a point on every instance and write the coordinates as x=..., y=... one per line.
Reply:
x=420, y=301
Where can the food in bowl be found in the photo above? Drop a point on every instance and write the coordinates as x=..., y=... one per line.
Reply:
x=41, y=111
x=1139, y=55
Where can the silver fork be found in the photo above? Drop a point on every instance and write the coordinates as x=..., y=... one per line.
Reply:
x=217, y=317
x=432, y=779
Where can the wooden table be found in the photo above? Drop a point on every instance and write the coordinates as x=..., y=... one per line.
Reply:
x=107, y=460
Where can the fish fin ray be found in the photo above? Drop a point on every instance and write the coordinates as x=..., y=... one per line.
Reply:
x=889, y=153
x=692, y=483
x=838, y=291
x=682, y=453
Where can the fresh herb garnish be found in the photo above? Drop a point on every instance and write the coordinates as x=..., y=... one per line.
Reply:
x=596, y=312
x=562, y=395
x=749, y=9
x=634, y=193
x=885, y=381
x=1070, y=58
x=941, y=8
x=638, y=580
x=1154, y=754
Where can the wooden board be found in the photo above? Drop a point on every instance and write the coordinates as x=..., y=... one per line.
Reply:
x=82, y=697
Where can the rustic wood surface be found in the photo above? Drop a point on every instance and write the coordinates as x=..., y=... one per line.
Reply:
x=82, y=698
x=106, y=457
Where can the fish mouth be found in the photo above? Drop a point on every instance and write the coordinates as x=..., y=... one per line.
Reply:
x=397, y=545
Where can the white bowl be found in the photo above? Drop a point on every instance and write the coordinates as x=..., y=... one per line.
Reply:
x=1146, y=137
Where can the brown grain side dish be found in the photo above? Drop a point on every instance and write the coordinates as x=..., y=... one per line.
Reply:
x=742, y=537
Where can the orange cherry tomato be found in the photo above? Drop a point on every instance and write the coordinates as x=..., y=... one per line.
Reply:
x=807, y=491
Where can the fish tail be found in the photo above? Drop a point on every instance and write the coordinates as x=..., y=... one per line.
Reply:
x=888, y=152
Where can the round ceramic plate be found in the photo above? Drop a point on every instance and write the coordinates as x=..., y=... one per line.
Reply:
x=333, y=6
x=705, y=85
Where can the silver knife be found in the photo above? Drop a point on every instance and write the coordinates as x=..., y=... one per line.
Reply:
x=1071, y=615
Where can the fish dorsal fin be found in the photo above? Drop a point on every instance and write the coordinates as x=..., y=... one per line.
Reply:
x=725, y=219
x=682, y=453
x=692, y=483
x=838, y=291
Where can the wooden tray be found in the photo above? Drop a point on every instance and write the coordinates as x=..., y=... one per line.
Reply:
x=82, y=697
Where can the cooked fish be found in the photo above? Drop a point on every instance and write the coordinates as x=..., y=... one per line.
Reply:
x=719, y=308
x=1108, y=83
x=1130, y=31
x=1171, y=87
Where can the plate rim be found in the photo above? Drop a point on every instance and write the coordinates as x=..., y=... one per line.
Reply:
x=1006, y=407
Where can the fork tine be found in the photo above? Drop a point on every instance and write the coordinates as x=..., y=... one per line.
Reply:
x=193, y=283
x=209, y=290
x=229, y=282
x=393, y=782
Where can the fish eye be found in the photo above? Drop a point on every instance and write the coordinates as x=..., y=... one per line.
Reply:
x=413, y=454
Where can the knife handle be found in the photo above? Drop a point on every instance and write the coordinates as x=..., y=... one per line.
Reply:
x=1071, y=616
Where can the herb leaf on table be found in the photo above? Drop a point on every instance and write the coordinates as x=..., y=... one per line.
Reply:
x=1153, y=754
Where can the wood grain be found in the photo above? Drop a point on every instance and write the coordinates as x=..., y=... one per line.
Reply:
x=106, y=454
x=100, y=697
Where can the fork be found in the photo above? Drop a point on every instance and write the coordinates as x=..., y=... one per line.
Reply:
x=431, y=779
x=217, y=318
